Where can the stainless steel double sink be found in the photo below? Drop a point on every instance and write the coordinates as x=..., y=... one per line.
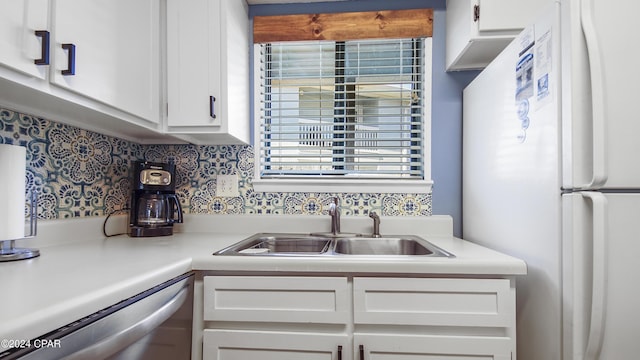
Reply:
x=287, y=244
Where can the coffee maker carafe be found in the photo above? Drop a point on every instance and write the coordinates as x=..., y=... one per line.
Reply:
x=154, y=204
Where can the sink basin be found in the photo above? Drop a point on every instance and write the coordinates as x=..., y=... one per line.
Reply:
x=329, y=245
x=278, y=244
x=384, y=246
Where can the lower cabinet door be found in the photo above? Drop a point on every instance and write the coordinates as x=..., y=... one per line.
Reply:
x=272, y=345
x=422, y=347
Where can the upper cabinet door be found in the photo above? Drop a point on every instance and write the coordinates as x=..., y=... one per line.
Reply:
x=478, y=30
x=208, y=70
x=109, y=50
x=507, y=15
x=193, y=62
x=20, y=47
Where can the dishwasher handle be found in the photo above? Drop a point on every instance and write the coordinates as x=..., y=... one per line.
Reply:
x=120, y=339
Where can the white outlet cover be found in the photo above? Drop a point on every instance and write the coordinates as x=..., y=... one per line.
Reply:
x=227, y=185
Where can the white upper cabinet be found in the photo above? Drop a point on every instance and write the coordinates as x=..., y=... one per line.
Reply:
x=24, y=32
x=208, y=70
x=114, y=46
x=478, y=30
x=109, y=51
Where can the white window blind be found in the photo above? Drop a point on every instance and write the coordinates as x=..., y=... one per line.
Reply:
x=350, y=109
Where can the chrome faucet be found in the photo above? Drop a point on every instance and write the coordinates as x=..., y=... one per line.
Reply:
x=334, y=212
x=376, y=224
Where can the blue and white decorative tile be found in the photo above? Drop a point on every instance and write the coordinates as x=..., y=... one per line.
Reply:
x=185, y=194
x=407, y=205
x=361, y=204
x=307, y=203
x=263, y=203
x=245, y=162
x=20, y=129
x=230, y=161
x=82, y=156
x=118, y=195
x=47, y=200
x=210, y=163
x=201, y=199
x=226, y=205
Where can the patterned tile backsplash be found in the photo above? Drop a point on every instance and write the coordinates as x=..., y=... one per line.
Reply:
x=79, y=173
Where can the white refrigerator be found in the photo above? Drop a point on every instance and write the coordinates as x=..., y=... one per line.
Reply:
x=551, y=174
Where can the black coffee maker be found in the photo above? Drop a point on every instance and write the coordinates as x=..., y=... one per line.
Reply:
x=154, y=204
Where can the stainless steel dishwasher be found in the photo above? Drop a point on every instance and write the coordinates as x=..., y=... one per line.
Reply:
x=155, y=324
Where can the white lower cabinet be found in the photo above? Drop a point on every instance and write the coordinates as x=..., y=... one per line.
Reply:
x=357, y=317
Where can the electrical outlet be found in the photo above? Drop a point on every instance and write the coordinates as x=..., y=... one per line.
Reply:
x=227, y=185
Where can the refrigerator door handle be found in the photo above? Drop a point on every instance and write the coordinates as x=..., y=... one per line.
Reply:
x=598, y=103
x=598, y=296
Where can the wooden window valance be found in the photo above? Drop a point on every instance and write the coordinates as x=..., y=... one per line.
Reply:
x=387, y=24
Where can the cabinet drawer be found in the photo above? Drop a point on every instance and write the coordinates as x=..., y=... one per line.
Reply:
x=321, y=300
x=263, y=345
x=420, y=347
x=436, y=302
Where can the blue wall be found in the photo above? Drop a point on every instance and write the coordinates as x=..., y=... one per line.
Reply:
x=446, y=121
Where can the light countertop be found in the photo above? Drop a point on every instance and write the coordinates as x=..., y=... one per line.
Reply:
x=80, y=271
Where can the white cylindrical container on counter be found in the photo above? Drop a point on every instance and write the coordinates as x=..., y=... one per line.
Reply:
x=13, y=172
x=13, y=165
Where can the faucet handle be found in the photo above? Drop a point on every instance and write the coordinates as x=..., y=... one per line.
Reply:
x=376, y=224
x=334, y=212
x=332, y=208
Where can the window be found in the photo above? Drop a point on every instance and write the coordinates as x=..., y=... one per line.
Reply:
x=349, y=115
